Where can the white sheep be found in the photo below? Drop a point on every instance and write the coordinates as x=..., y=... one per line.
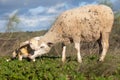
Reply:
x=87, y=23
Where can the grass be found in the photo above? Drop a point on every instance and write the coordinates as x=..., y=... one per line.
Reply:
x=51, y=68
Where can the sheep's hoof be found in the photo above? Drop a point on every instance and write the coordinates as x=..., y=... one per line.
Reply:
x=79, y=61
x=63, y=60
x=20, y=60
x=101, y=60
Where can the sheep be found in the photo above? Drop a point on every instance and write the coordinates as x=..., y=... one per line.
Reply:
x=87, y=23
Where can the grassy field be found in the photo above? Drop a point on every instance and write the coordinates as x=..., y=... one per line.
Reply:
x=50, y=67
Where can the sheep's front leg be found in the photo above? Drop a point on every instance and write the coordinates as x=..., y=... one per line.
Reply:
x=63, y=53
x=77, y=47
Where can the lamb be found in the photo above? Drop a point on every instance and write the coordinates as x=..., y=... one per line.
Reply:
x=87, y=23
x=25, y=49
x=22, y=52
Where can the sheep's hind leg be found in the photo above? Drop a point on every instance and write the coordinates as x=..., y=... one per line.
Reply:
x=77, y=47
x=105, y=45
x=63, y=53
x=100, y=46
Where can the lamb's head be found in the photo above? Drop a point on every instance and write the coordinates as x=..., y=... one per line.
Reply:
x=40, y=45
x=33, y=42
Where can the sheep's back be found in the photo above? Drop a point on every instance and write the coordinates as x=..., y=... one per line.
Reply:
x=86, y=22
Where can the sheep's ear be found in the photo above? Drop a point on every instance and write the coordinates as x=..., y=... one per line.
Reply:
x=50, y=44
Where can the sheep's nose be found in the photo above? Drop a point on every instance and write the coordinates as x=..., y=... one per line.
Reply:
x=37, y=48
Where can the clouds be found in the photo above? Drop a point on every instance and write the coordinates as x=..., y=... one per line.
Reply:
x=38, y=14
x=41, y=17
x=116, y=4
x=2, y=25
x=37, y=11
x=10, y=5
x=57, y=8
x=36, y=23
x=37, y=17
x=31, y=22
x=22, y=4
x=49, y=10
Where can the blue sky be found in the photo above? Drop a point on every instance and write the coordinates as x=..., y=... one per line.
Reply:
x=38, y=15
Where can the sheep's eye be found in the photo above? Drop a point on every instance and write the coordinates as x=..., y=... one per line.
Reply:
x=42, y=47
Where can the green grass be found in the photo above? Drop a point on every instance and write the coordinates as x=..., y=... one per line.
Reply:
x=51, y=68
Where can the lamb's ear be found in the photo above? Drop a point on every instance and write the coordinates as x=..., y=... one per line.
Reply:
x=50, y=44
x=24, y=43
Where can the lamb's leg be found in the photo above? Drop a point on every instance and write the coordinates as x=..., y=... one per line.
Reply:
x=32, y=57
x=29, y=56
x=77, y=47
x=14, y=55
x=20, y=57
x=36, y=54
x=105, y=45
x=63, y=53
x=33, y=60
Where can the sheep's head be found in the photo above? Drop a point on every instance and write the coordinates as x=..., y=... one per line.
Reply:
x=39, y=43
x=43, y=49
x=43, y=45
